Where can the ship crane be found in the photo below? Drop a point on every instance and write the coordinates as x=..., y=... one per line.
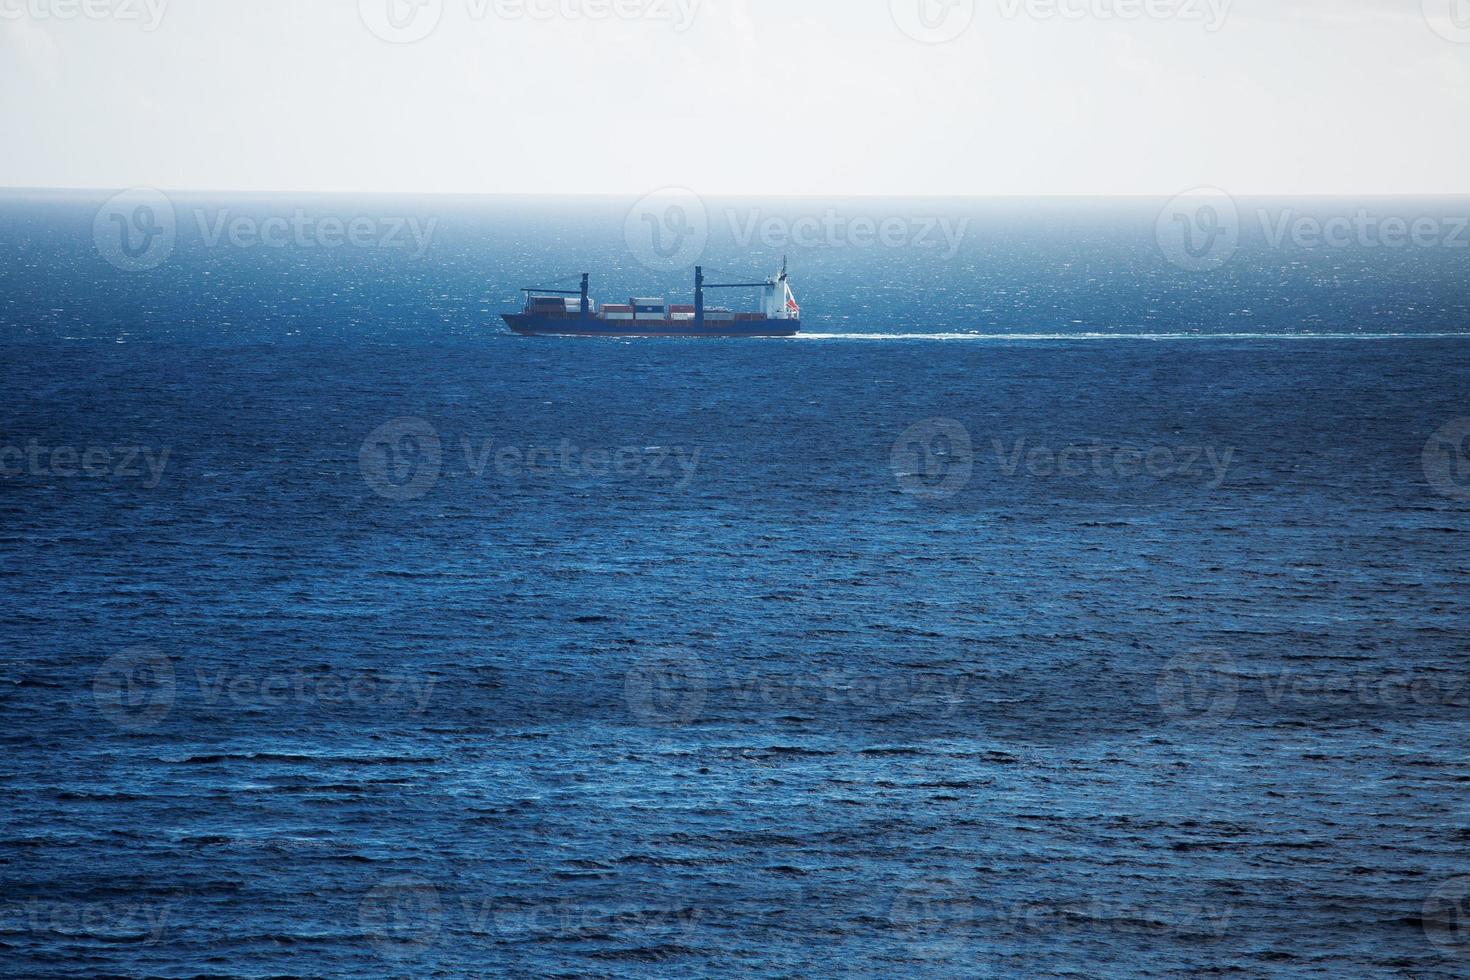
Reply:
x=538, y=291
x=778, y=301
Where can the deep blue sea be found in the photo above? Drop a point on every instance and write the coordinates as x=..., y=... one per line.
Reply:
x=1052, y=609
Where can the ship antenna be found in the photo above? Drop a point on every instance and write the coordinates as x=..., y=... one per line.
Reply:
x=783, y=268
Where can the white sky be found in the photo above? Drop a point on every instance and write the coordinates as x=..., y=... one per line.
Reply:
x=755, y=97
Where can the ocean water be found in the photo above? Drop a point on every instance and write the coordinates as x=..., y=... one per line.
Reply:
x=1051, y=609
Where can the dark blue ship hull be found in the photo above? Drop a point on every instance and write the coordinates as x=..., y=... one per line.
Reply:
x=534, y=325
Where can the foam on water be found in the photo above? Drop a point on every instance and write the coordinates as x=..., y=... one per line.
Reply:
x=1022, y=337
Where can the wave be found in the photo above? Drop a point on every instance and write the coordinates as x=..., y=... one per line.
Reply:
x=1132, y=336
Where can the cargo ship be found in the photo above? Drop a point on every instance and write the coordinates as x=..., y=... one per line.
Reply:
x=573, y=313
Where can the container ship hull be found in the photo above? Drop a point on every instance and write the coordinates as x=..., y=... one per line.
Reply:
x=534, y=325
x=573, y=313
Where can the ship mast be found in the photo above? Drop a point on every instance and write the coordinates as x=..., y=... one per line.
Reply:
x=582, y=293
x=700, y=286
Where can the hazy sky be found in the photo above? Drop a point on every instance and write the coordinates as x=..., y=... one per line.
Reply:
x=738, y=96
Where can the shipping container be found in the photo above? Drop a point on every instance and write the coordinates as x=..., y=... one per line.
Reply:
x=555, y=310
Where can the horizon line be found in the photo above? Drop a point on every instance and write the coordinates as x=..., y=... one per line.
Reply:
x=8, y=190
